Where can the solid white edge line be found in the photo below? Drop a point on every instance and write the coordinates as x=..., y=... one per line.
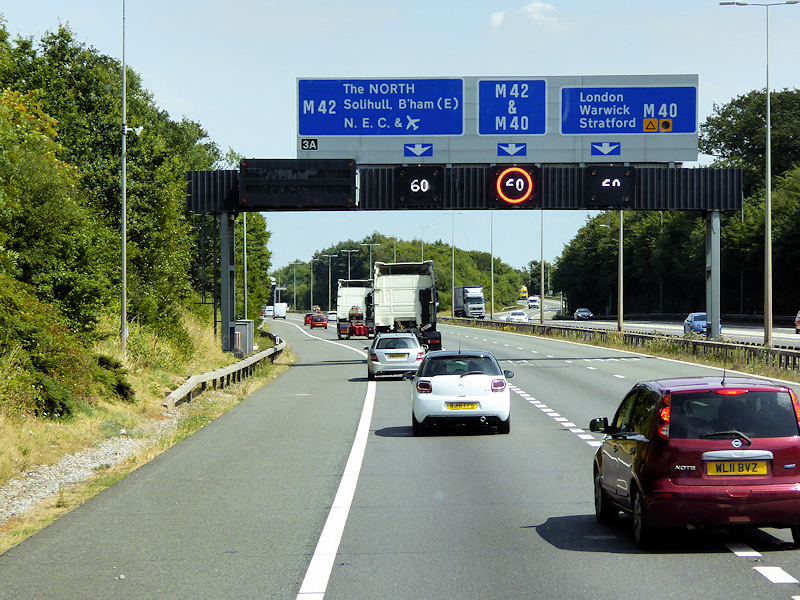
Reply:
x=319, y=569
x=321, y=566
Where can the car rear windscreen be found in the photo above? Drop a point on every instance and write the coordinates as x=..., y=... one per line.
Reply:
x=756, y=414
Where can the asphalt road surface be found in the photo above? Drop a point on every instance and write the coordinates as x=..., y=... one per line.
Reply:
x=315, y=488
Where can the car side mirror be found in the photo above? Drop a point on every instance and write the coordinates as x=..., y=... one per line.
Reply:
x=598, y=425
x=508, y=374
x=366, y=347
x=409, y=375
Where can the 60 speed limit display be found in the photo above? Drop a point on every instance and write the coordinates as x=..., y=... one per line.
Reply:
x=514, y=185
x=420, y=186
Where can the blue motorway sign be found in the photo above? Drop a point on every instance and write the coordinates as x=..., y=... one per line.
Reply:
x=620, y=110
x=512, y=106
x=380, y=107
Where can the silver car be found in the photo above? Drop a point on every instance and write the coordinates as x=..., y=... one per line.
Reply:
x=393, y=354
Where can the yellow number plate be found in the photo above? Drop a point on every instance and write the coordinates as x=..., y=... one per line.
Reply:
x=462, y=405
x=738, y=467
x=396, y=355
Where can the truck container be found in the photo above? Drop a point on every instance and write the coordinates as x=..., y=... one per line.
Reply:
x=404, y=299
x=354, y=309
x=468, y=301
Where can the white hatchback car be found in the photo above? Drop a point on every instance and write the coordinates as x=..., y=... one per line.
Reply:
x=464, y=387
x=517, y=316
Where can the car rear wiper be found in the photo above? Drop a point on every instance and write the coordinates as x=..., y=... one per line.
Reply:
x=735, y=432
x=473, y=373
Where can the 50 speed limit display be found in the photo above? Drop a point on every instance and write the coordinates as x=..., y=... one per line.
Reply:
x=419, y=186
x=514, y=185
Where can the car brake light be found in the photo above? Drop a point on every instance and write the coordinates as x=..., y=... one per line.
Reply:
x=796, y=404
x=663, y=415
x=424, y=387
x=730, y=392
x=498, y=385
x=373, y=357
x=420, y=356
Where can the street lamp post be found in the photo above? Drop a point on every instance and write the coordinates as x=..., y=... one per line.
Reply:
x=370, y=257
x=422, y=238
x=294, y=283
x=311, y=269
x=349, y=252
x=453, y=265
x=329, y=257
x=768, y=190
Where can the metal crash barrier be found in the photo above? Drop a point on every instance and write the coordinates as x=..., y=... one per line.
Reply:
x=221, y=378
x=777, y=358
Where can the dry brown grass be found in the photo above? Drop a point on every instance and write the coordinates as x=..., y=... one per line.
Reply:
x=27, y=441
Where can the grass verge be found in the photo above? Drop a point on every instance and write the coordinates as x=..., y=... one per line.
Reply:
x=154, y=371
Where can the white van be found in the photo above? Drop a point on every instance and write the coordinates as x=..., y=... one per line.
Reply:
x=533, y=302
x=280, y=310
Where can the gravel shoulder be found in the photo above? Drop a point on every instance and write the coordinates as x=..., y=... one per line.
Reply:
x=45, y=481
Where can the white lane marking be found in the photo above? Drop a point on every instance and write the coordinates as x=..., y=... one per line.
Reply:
x=620, y=376
x=564, y=422
x=319, y=570
x=776, y=575
x=592, y=368
x=742, y=550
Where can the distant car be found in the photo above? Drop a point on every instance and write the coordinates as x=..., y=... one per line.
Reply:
x=331, y=316
x=517, y=316
x=797, y=322
x=307, y=319
x=267, y=311
x=700, y=451
x=582, y=314
x=393, y=354
x=318, y=320
x=533, y=302
x=460, y=387
x=695, y=323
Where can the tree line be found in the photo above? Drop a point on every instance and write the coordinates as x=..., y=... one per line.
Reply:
x=60, y=210
x=664, y=252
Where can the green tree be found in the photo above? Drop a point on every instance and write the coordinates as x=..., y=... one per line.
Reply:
x=735, y=134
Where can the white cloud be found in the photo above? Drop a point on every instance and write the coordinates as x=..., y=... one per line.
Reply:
x=496, y=19
x=543, y=15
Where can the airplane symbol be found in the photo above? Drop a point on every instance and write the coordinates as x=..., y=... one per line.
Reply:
x=412, y=123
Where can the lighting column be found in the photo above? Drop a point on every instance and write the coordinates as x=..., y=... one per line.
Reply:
x=370, y=257
x=422, y=239
x=768, y=190
x=349, y=252
x=329, y=257
x=294, y=283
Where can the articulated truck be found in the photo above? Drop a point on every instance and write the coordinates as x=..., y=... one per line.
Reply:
x=468, y=301
x=354, y=309
x=404, y=299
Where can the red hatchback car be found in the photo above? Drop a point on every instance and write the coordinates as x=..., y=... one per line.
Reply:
x=700, y=451
x=318, y=320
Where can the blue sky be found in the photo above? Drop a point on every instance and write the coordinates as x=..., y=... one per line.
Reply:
x=232, y=67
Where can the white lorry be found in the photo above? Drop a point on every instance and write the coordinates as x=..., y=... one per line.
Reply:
x=404, y=299
x=468, y=301
x=353, y=314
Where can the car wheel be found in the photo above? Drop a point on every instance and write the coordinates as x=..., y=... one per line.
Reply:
x=504, y=426
x=417, y=428
x=603, y=509
x=642, y=533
